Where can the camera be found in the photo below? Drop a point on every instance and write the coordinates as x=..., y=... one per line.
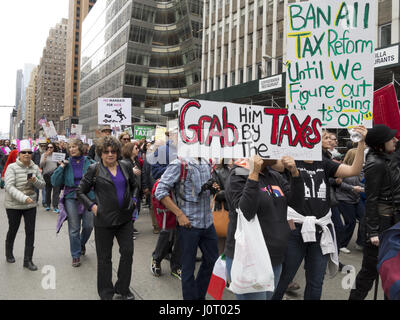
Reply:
x=208, y=185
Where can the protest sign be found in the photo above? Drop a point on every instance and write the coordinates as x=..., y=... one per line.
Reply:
x=76, y=131
x=115, y=111
x=62, y=138
x=49, y=129
x=331, y=55
x=225, y=130
x=129, y=131
x=160, y=133
x=56, y=157
x=141, y=132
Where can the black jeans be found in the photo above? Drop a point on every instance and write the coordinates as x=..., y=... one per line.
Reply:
x=14, y=220
x=104, y=237
x=168, y=242
x=56, y=195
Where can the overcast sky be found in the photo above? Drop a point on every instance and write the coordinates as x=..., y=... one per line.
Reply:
x=24, y=28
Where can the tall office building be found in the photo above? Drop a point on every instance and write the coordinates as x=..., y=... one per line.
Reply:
x=30, y=105
x=78, y=10
x=51, y=77
x=149, y=51
x=18, y=86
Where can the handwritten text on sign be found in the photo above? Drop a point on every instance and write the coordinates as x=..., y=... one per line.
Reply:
x=225, y=130
x=330, y=50
x=115, y=111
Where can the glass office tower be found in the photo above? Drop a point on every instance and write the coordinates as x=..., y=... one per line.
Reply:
x=146, y=50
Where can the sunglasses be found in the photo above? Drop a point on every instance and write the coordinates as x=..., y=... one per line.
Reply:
x=126, y=139
x=26, y=152
x=108, y=152
x=50, y=147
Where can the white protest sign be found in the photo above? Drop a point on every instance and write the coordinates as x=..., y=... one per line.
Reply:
x=56, y=157
x=225, y=130
x=49, y=129
x=331, y=54
x=62, y=138
x=76, y=131
x=115, y=111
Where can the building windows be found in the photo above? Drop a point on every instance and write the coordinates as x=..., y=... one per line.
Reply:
x=385, y=35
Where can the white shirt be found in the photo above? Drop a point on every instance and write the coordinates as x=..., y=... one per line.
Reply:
x=328, y=243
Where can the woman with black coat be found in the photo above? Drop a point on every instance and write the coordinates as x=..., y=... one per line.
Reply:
x=382, y=189
x=115, y=186
x=258, y=190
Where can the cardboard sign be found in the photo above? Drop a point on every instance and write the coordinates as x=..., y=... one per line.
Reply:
x=331, y=54
x=56, y=157
x=115, y=111
x=225, y=130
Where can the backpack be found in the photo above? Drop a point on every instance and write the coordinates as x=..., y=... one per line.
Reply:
x=166, y=219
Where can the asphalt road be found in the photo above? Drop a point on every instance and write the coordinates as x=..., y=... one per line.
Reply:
x=56, y=279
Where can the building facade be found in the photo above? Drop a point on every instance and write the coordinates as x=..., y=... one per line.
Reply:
x=78, y=10
x=149, y=51
x=51, y=77
x=30, y=105
x=244, y=52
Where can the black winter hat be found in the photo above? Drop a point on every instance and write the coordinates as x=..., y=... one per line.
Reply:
x=379, y=134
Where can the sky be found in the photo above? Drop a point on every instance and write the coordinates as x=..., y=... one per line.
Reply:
x=24, y=28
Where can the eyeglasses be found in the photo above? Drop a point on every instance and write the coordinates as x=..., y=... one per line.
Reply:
x=26, y=152
x=108, y=152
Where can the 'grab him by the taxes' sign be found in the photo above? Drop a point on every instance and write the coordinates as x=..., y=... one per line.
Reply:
x=212, y=129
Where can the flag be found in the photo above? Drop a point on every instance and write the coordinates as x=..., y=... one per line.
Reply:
x=218, y=279
x=389, y=262
x=386, y=108
x=42, y=120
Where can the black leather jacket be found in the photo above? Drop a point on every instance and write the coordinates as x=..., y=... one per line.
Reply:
x=108, y=211
x=379, y=187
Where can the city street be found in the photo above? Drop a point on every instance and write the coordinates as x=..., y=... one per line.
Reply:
x=52, y=254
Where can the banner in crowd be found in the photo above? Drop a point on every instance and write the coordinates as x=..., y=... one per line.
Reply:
x=225, y=130
x=386, y=108
x=330, y=61
x=115, y=111
x=141, y=132
x=49, y=129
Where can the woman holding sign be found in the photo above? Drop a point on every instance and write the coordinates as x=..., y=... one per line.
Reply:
x=48, y=165
x=312, y=238
x=21, y=179
x=80, y=221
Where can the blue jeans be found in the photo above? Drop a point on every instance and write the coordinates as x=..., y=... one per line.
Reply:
x=75, y=220
x=315, y=265
x=189, y=240
x=265, y=295
x=351, y=213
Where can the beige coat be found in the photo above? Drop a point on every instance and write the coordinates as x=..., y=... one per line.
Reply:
x=18, y=189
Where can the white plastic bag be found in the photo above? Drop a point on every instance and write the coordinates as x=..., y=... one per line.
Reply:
x=251, y=267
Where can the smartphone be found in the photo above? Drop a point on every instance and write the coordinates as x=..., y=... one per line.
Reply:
x=29, y=176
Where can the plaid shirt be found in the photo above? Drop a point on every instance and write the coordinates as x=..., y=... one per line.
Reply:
x=195, y=205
